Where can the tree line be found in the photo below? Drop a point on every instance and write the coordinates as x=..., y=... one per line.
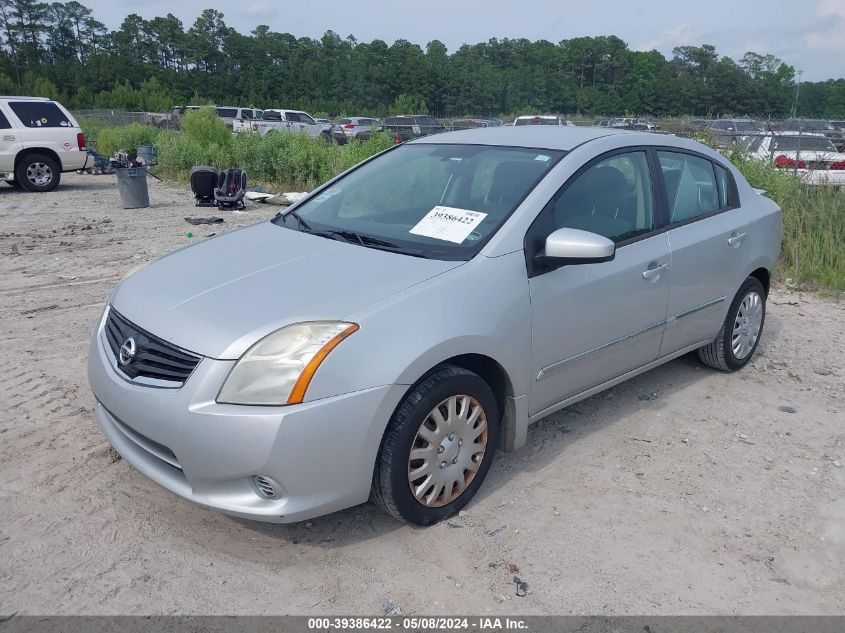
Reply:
x=61, y=50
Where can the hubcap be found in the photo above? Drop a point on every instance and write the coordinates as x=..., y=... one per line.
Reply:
x=447, y=451
x=747, y=324
x=39, y=174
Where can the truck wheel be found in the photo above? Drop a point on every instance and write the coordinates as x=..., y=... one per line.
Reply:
x=437, y=448
x=15, y=184
x=37, y=172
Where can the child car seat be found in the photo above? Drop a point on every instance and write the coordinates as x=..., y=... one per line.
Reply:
x=231, y=189
x=203, y=182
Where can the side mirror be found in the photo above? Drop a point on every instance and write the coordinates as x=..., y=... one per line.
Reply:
x=574, y=246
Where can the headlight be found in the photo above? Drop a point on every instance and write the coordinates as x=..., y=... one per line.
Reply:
x=278, y=369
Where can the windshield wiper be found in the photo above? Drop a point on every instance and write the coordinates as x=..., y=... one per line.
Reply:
x=370, y=242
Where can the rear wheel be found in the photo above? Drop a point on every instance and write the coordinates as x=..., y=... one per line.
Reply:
x=740, y=334
x=38, y=172
x=15, y=184
x=437, y=448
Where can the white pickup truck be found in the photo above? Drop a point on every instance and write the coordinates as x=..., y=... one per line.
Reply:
x=39, y=139
x=282, y=120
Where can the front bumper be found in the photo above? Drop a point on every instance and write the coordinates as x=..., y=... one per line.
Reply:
x=321, y=452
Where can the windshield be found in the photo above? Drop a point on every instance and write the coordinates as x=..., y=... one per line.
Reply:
x=795, y=143
x=537, y=121
x=749, y=126
x=428, y=200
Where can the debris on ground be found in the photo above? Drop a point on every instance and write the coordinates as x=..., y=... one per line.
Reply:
x=513, y=568
x=41, y=309
x=787, y=409
x=388, y=607
x=496, y=531
x=521, y=586
x=197, y=221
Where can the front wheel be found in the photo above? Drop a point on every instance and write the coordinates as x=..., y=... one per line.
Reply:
x=38, y=173
x=740, y=334
x=437, y=448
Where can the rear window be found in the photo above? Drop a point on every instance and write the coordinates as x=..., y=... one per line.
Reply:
x=4, y=122
x=796, y=143
x=343, y=121
x=40, y=114
x=537, y=121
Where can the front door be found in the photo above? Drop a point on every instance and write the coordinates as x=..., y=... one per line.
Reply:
x=594, y=322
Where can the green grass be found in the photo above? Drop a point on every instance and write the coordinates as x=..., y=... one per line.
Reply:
x=813, y=251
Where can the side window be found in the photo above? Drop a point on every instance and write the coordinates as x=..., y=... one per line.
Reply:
x=304, y=118
x=724, y=182
x=39, y=114
x=4, y=122
x=690, y=185
x=246, y=114
x=612, y=198
x=292, y=116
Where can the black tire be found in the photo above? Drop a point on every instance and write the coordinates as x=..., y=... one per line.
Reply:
x=391, y=489
x=720, y=354
x=38, y=166
x=15, y=184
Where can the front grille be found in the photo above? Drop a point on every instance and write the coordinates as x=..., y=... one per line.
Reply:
x=153, y=357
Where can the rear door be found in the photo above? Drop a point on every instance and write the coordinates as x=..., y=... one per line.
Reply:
x=710, y=237
x=594, y=322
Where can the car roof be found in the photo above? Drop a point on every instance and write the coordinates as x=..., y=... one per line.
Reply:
x=540, y=137
x=18, y=98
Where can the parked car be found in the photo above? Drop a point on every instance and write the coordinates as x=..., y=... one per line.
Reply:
x=727, y=132
x=839, y=125
x=173, y=121
x=355, y=128
x=385, y=335
x=472, y=123
x=541, y=119
x=836, y=136
x=283, y=120
x=813, y=156
x=40, y=139
x=629, y=123
x=407, y=127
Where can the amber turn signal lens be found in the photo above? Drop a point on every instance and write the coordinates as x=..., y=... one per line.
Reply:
x=297, y=394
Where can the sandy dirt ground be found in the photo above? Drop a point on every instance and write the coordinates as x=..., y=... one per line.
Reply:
x=683, y=491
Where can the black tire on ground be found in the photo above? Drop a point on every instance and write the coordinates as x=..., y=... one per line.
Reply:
x=15, y=184
x=719, y=354
x=38, y=173
x=391, y=489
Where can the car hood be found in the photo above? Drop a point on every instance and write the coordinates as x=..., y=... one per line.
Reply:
x=218, y=297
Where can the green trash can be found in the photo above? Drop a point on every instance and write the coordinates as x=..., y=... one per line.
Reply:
x=132, y=185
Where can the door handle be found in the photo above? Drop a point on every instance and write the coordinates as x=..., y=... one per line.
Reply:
x=654, y=273
x=736, y=238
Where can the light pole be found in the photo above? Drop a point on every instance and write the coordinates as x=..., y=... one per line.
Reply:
x=797, y=89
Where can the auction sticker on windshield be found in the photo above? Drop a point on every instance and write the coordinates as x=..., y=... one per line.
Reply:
x=448, y=224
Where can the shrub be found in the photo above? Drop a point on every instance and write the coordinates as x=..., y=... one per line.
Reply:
x=124, y=139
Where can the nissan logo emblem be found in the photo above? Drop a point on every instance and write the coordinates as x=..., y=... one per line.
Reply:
x=127, y=351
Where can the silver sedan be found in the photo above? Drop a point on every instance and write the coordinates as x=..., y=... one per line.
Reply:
x=382, y=338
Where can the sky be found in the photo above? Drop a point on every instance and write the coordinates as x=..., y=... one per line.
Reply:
x=807, y=34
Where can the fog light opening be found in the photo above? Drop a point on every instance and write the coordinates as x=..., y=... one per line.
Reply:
x=266, y=487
